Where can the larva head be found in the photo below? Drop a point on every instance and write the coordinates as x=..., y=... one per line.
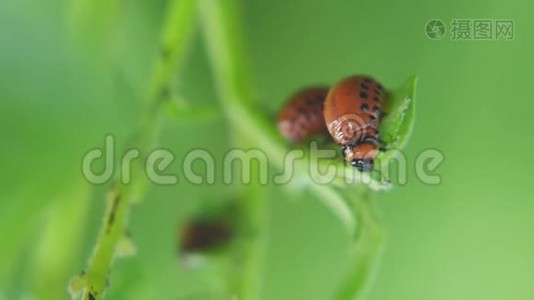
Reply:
x=361, y=156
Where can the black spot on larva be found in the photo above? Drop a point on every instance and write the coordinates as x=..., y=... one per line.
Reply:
x=378, y=92
x=372, y=117
x=319, y=98
x=363, y=95
x=364, y=107
x=376, y=109
x=376, y=98
x=379, y=86
x=364, y=86
x=371, y=140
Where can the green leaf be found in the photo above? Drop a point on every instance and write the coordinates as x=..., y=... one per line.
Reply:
x=396, y=126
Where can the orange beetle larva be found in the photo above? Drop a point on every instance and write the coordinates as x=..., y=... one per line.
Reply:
x=352, y=112
x=302, y=115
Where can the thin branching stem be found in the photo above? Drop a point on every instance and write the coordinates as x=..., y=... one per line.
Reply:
x=177, y=31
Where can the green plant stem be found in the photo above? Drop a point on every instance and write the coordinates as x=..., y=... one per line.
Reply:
x=177, y=31
x=255, y=207
x=366, y=249
x=222, y=27
x=222, y=32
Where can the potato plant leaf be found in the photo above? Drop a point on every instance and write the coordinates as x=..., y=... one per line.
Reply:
x=397, y=124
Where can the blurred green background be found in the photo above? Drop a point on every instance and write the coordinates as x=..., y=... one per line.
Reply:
x=470, y=237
